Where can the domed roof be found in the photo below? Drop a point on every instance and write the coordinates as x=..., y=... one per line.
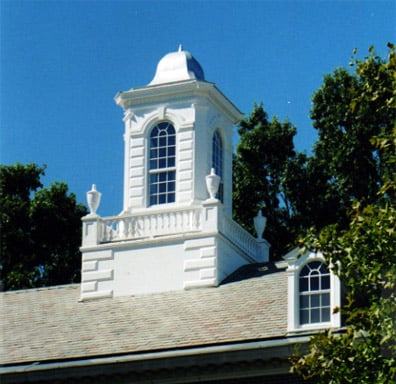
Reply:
x=177, y=66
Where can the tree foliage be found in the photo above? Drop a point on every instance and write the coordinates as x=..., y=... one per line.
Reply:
x=301, y=191
x=363, y=252
x=349, y=109
x=40, y=230
x=264, y=149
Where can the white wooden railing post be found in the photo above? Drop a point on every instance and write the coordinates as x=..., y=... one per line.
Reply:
x=211, y=213
x=262, y=251
x=92, y=226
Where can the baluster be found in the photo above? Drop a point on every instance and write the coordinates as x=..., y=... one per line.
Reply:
x=103, y=231
x=197, y=216
x=176, y=224
x=179, y=220
x=156, y=223
x=182, y=220
x=116, y=230
x=120, y=229
x=172, y=222
x=179, y=225
x=139, y=227
x=100, y=232
x=108, y=231
x=146, y=226
x=130, y=227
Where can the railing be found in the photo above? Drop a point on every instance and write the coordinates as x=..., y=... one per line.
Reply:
x=149, y=225
x=167, y=223
x=240, y=237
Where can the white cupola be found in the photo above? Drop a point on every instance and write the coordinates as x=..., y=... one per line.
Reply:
x=175, y=230
x=176, y=129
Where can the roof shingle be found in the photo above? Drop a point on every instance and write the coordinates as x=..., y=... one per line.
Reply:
x=51, y=324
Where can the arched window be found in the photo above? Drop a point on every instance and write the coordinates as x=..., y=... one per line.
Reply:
x=217, y=161
x=314, y=293
x=162, y=167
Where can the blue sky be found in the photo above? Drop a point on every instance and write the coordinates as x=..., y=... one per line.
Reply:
x=62, y=62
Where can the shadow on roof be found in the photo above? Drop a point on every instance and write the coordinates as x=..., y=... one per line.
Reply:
x=251, y=271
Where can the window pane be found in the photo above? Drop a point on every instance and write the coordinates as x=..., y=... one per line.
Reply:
x=303, y=284
x=314, y=283
x=153, y=142
x=326, y=314
x=162, y=188
x=315, y=264
x=315, y=301
x=323, y=269
x=325, y=299
x=326, y=282
x=171, y=162
x=304, y=317
x=315, y=315
x=162, y=176
x=305, y=271
x=304, y=301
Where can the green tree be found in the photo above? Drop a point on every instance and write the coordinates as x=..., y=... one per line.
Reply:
x=40, y=230
x=310, y=193
x=366, y=352
x=363, y=252
x=262, y=153
x=348, y=110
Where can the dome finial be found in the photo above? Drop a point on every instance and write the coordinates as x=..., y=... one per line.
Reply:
x=177, y=66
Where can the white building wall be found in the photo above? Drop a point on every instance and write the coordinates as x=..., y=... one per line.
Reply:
x=143, y=270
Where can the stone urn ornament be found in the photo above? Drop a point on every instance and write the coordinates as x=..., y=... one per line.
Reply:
x=260, y=222
x=93, y=200
x=212, y=184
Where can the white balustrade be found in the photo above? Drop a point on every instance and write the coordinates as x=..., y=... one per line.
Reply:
x=128, y=227
x=167, y=223
x=240, y=237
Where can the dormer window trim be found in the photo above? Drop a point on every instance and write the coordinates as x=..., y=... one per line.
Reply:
x=296, y=264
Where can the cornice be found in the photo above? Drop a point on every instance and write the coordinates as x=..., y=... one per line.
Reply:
x=177, y=92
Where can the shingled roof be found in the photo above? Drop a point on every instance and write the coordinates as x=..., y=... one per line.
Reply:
x=51, y=324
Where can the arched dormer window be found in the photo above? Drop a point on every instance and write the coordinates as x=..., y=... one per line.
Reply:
x=313, y=292
x=162, y=166
x=217, y=161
